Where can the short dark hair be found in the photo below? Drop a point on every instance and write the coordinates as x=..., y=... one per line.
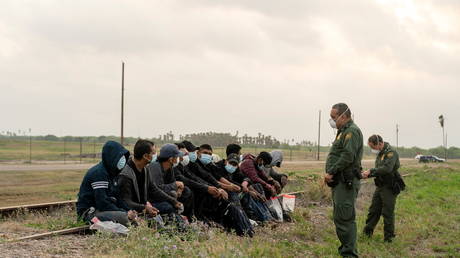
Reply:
x=342, y=108
x=266, y=157
x=233, y=148
x=142, y=147
x=189, y=146
x=180, y=145
x=205, y=147
x=375, y=139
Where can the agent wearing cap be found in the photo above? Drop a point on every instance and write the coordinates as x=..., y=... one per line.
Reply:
x=161, y=173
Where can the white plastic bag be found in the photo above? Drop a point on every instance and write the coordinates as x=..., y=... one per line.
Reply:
x=288, y=202
x=108, y=226
x=275, y=208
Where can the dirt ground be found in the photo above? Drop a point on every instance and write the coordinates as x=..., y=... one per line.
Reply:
x=76, y=245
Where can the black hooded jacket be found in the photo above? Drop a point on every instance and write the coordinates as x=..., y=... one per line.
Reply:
x=99, y=187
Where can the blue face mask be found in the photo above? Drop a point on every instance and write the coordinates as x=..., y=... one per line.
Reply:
x=205, y=159
x=261, y=167
x=230, y=169
x=154, y=158
x=121, y=163
x=192, y=156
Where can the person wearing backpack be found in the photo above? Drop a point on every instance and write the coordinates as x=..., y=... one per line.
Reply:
x=389, y=183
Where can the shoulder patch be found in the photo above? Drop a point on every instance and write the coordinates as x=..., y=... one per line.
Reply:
x=339, y=136
x=390, y=155
x=348, y=136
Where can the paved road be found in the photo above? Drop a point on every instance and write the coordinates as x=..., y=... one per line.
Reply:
x=44, y=167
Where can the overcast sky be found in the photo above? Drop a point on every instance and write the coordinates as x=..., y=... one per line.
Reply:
x=227, y=66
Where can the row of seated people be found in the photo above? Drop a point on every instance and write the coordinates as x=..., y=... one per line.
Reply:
x=181, y=179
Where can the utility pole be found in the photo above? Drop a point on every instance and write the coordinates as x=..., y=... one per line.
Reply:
x=30, y=146
x=319, y=133
x=397, y=136
x=442, y=121
x=122, y=98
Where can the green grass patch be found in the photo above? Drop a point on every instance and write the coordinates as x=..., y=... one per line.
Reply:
x=427, y=216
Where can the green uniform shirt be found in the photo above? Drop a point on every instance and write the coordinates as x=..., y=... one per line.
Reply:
x=346, y=151
x=386, y=166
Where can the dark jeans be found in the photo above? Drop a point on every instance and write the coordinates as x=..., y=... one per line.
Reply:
x=187, y=199
x=164, y=207
x=115, y=216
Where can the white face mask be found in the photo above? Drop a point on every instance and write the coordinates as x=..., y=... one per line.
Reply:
x=378, y=143
x=333, y=123
x=185, y=160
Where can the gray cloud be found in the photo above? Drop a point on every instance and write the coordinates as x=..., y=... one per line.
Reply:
x=250, y=66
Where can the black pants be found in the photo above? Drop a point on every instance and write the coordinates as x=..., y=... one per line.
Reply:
x=187, y=199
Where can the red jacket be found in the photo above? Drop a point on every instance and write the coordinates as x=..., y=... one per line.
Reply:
x=251, y=170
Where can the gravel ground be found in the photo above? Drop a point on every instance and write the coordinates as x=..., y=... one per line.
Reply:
x=59, y=246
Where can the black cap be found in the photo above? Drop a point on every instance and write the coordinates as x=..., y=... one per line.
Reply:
x=233, y=157
x=189, y=146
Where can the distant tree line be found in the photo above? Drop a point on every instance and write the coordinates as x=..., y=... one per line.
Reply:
x=223, y=139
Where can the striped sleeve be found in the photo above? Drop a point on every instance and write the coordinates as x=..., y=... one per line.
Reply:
x=100, y=184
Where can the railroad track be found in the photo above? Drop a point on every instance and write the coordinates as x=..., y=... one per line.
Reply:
x=6, y=211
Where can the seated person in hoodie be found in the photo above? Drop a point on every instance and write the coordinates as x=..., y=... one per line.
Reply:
x=253, y=167
x=99, y=194
x=134, y=182
x=277, y=159
x=161, y=172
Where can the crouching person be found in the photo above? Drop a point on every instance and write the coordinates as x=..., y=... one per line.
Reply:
x=134, y=183
x=277, y=159
x=99, y=194
x=253, y=168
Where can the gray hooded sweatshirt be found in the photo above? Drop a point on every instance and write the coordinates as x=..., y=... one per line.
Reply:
x=277, y=157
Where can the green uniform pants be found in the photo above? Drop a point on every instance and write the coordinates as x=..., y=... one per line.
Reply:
x=344, y=217
x=383, y=204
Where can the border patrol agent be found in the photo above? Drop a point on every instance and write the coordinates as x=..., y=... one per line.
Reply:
x=343, y=172
x=386, y=179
